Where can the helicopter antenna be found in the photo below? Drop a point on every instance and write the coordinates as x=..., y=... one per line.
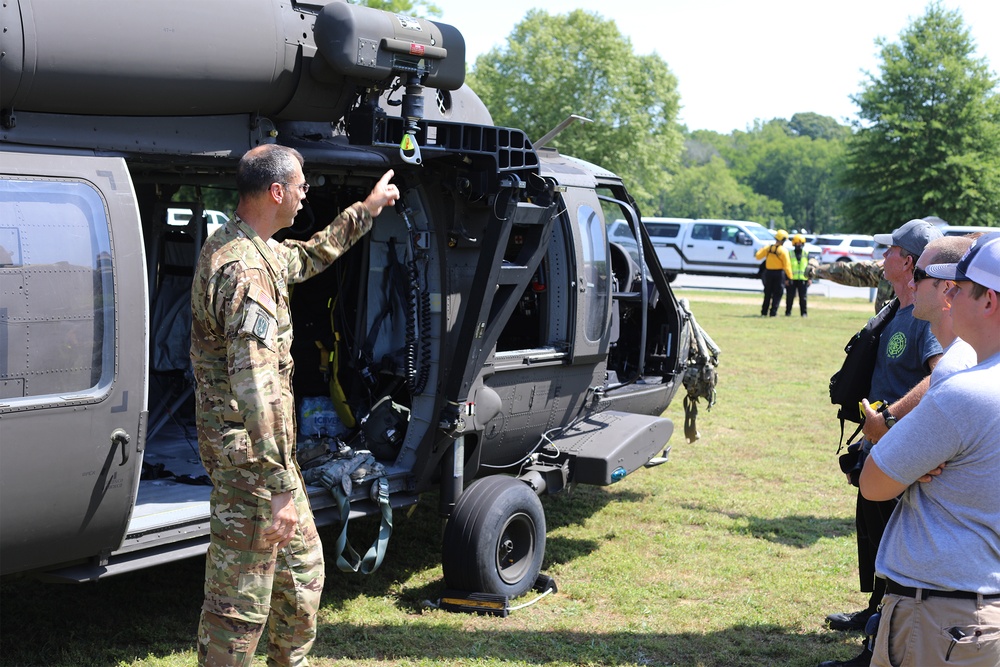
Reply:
x=551, y=134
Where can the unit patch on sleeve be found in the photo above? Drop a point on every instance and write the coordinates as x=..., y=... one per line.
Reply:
x=259, y=319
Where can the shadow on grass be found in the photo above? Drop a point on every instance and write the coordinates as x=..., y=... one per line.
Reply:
x=154, y=612
x=794, y=531
x=140, y=616
x=737, y=646
x=415, y=544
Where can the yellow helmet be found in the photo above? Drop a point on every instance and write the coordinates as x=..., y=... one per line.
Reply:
x=798, y=239
x=780, y=235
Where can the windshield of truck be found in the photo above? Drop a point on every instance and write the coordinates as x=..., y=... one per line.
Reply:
x=762, y=234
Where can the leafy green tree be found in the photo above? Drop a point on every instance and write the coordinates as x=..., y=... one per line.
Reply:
x=703, y=191
x=701, y=146
x=816, y=126
x=710, y=191
x=928, y=138
x=795, y=164
x=782, y=161
x=580, y=63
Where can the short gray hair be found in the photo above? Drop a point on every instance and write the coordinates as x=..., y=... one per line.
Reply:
x=266, y=164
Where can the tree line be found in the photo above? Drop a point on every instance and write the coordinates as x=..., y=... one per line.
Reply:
x=926, y=140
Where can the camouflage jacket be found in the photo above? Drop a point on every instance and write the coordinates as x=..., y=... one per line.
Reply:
x=858, y=274
x=241, y=338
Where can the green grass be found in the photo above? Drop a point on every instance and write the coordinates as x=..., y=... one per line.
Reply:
x=730, y=554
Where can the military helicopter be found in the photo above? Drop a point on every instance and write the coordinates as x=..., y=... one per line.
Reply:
x=484, y=341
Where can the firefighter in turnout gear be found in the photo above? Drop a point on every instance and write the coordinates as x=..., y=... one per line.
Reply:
x=801, y=278
x=775, y=264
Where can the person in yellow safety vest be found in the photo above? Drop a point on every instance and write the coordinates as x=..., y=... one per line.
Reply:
x=775, y=264
x=802, y=274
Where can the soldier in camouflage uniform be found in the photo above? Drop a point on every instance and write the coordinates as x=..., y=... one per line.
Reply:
x=858, y=274
x=265, y=560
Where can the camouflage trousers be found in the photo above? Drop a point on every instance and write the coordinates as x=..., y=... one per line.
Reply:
x=249, y=584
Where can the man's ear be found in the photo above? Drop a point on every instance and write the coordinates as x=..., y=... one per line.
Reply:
x=991, y=302
x=276, y=192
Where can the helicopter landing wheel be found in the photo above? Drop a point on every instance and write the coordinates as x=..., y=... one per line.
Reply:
x=494, y=540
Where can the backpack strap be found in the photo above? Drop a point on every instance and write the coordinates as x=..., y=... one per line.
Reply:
x=853, y=435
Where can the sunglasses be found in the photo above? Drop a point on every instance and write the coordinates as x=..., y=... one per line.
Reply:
x=919, y=274
x=301, y=186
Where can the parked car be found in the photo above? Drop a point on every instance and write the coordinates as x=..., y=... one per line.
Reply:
x=813, y=251
x=845, y=247
x=180, y=216
x=962, y=230
x=659, y=230
x=703, y=246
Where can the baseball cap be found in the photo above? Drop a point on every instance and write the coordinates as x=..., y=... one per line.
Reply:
x=980, y=263
x=911, y=237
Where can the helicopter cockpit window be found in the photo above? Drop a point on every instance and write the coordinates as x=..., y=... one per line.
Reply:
x=594, y=272
x=56, y=278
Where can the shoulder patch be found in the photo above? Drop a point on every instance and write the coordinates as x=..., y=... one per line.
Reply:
x=259, y=324
x=256, y=293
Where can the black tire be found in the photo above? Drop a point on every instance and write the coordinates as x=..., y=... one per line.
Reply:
x=494, y=540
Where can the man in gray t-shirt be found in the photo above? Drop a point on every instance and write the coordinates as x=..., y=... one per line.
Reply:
x=940, y=553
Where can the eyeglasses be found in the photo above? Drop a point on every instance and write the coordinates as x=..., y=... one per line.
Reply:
x=301, y=186
x=919, y=274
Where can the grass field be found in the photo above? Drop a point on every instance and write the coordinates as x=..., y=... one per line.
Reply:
x=730, y=554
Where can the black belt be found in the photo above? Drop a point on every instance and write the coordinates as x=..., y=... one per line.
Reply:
x=894, y=588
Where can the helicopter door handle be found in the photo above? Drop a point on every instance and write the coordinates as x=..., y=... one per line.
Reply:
x=120, y=437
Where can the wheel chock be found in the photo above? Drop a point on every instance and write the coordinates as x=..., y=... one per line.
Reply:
x=478, y=603
x=545, y=584
x=491, y=603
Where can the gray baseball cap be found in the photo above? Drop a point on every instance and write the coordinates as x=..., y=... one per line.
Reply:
x=980, y=264
x=911, y=237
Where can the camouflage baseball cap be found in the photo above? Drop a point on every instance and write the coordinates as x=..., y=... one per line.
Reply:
x=911, y=237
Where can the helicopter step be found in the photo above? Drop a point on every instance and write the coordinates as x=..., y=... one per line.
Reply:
x=607, y=446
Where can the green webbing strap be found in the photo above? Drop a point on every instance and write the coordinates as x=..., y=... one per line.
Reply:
x=347, y=558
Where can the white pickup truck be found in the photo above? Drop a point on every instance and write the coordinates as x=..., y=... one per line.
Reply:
x=703, y=246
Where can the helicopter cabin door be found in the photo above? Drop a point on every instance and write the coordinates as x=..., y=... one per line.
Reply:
x=73, y=365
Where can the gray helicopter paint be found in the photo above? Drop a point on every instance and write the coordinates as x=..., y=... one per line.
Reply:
x=70, y=408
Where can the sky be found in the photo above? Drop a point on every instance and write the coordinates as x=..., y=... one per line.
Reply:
x=738, y=61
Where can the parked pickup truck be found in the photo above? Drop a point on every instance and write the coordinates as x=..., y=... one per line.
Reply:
x=703, y=246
